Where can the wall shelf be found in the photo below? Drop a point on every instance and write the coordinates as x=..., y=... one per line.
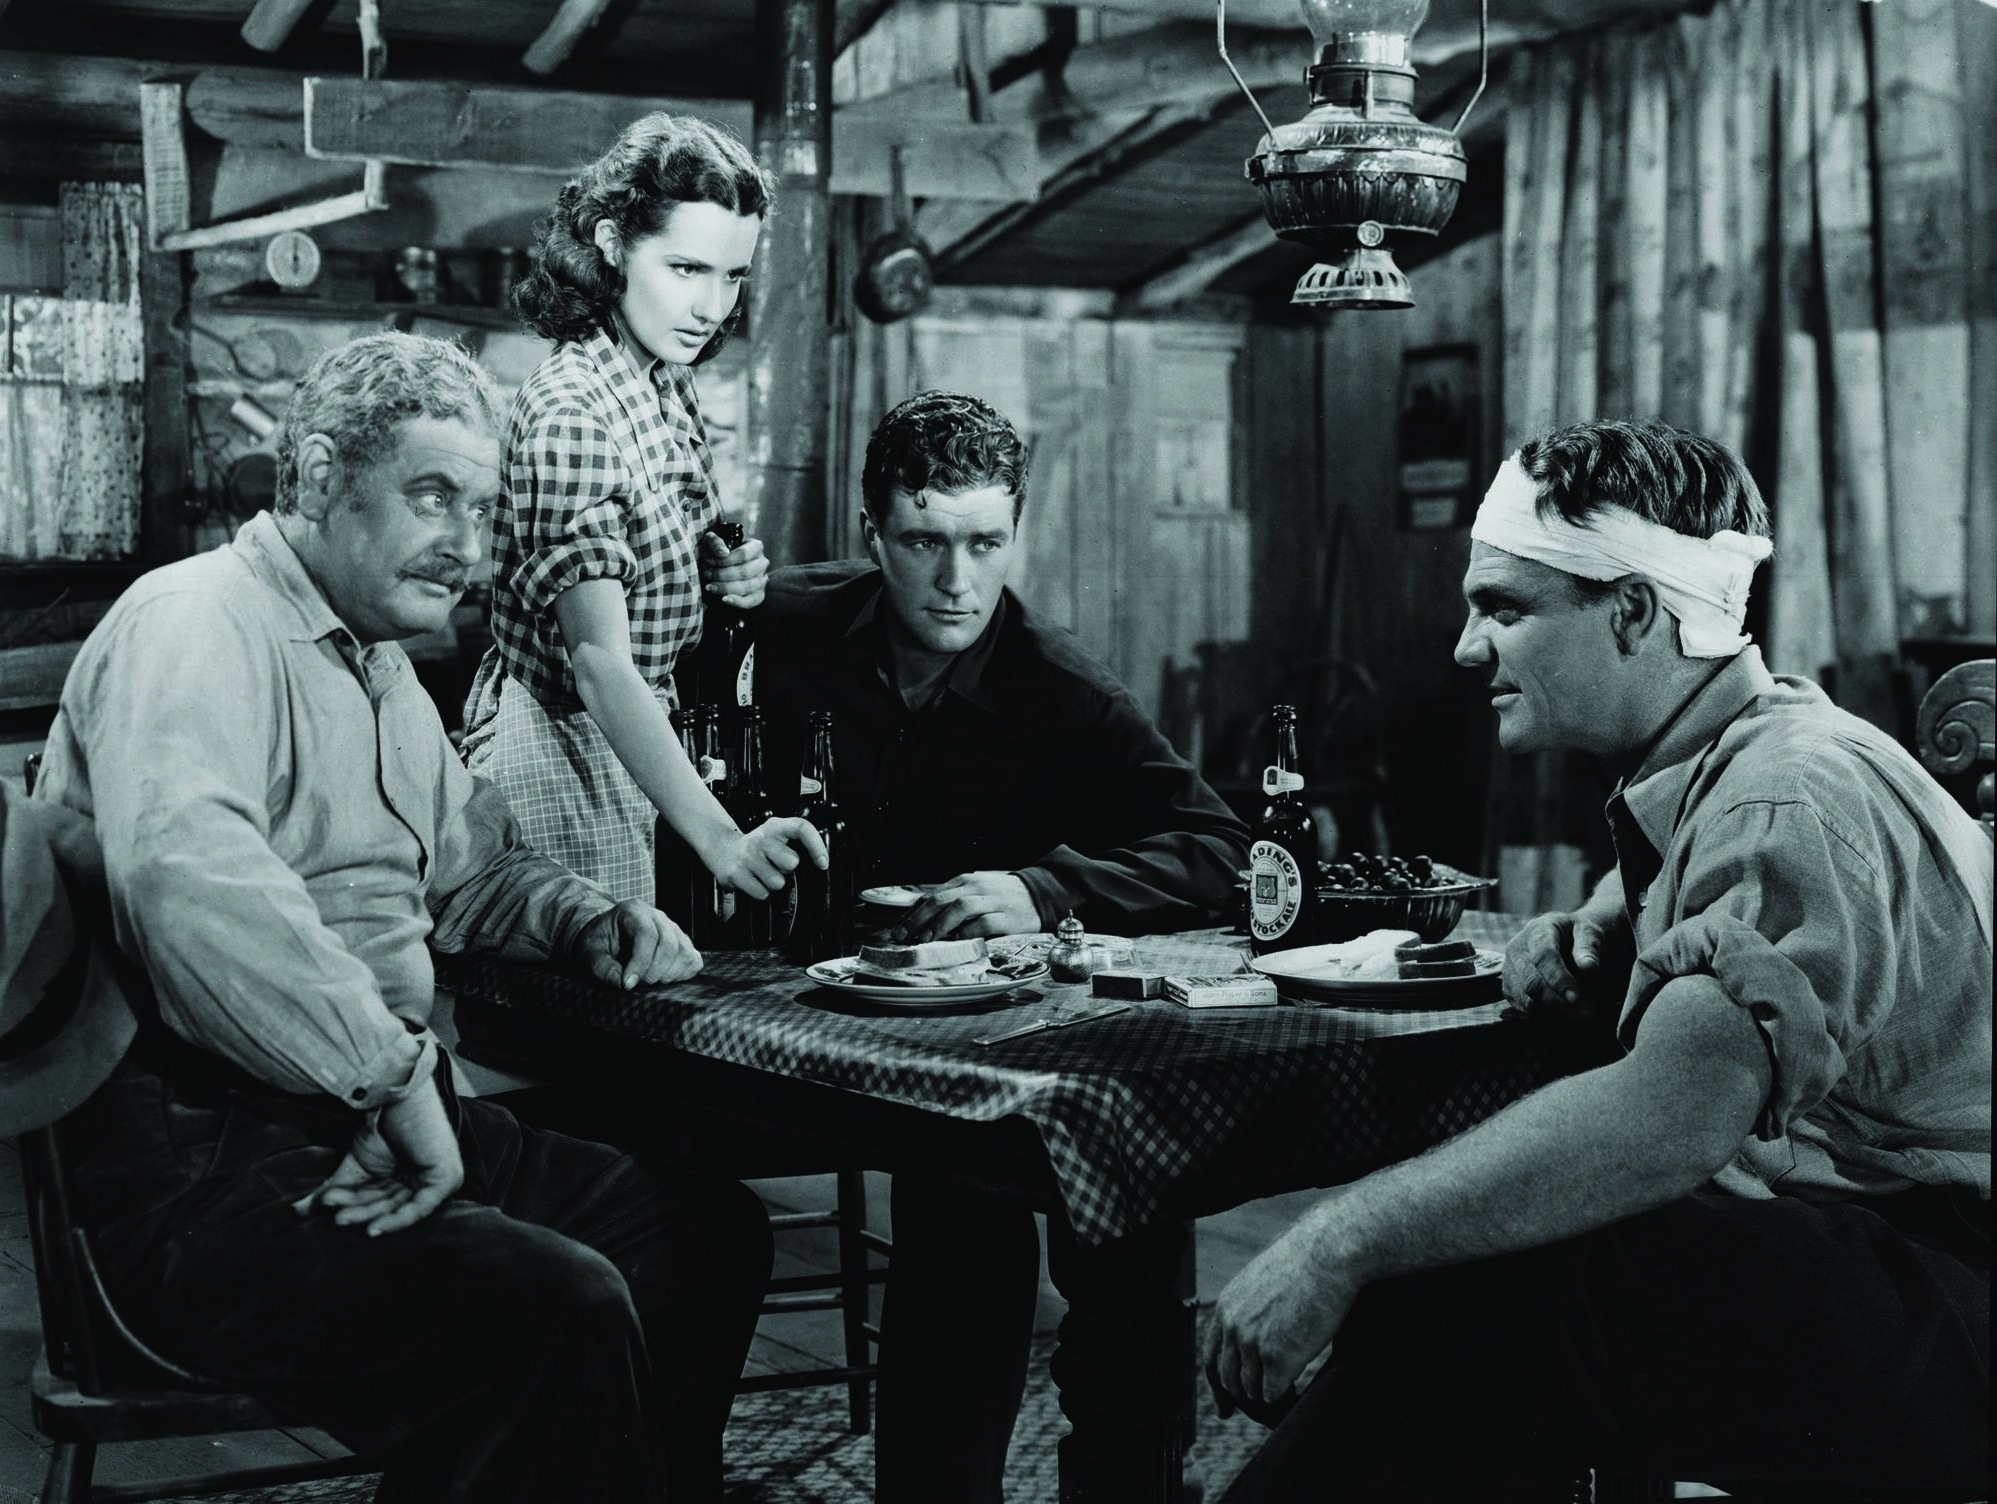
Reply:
x=473, y=315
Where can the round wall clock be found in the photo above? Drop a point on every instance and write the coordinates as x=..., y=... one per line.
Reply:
x=292, y=259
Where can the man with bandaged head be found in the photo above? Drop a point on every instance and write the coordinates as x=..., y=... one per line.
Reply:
x=1756, y=1245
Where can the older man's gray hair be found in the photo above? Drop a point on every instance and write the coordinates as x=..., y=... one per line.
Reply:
x=359, y=393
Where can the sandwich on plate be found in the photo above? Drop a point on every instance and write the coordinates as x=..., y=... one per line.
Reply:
x=932, y=963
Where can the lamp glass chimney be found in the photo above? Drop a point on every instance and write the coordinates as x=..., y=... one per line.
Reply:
x=1375, y=32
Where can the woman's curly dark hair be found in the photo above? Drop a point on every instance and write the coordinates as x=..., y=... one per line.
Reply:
x=660, y=162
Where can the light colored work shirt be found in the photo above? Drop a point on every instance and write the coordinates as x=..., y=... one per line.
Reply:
x=285, y=824
x=1809, y=866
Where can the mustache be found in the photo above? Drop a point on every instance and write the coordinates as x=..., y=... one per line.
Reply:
x=450, y=579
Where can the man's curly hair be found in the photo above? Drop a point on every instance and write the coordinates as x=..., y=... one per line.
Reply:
x=942, y=441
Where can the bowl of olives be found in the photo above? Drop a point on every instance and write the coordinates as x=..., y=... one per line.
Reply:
x=1361, y=892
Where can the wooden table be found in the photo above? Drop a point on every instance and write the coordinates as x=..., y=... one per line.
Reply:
x=1121, y=1129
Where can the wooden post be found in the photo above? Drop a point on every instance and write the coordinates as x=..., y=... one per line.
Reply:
x=167, y=467
x=790, y=345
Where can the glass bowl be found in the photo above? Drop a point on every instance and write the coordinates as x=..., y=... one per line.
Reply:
x=1343, y=914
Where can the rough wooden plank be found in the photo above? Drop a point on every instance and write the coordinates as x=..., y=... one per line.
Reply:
x=940, y=159
x=1202, y=267
x=168, y=209
x=168, y=454
x=450, y=125
x=853, y=19
x=325, y=211
x=552, y=47
x=790, y=351
x=270, y=24
x=68, y=159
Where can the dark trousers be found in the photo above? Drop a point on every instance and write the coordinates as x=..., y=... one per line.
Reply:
x=956, y=1325
x=568, y=1329
x=1715, y=1338
x=956, y=1315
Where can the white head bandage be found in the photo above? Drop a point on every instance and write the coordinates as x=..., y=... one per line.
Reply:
x=1703, y=582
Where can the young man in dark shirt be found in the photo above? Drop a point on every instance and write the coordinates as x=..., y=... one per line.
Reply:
x=984, y=752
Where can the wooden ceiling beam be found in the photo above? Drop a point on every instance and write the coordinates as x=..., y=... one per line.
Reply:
x=552, y=47
x=958, y=231
x=1173, y=64
x=426, y=123
x=270, y=23
x=1202, y=266
x=853, y=19
x=70, y=159
x=454, y=125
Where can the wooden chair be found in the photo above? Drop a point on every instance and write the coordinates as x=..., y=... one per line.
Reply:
x=845, y=1290
x=66, y=1018
x=1955, y=733
x=498, y=1039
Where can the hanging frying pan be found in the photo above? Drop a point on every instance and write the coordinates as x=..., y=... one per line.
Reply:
x=897, y=271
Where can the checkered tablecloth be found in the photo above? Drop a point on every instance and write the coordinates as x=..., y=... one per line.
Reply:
x=1156, y=1112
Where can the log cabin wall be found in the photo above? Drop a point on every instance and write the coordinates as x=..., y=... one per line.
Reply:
x=1396, y=601
x=1171, y=459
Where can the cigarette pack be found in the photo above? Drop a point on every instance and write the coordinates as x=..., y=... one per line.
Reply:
x=1221, y=992
x=1127, y=981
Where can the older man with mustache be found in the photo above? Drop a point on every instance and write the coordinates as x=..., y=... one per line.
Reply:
x=282, y=1189
x=1756, y=1245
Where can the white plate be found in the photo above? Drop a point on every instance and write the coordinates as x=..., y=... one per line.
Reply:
x=897, y=895
x=1302, y=971
x=838, y=976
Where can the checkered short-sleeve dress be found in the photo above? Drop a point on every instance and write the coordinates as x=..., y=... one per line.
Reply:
x=608, y=477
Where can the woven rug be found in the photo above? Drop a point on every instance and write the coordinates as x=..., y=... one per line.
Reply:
x=794, y=1448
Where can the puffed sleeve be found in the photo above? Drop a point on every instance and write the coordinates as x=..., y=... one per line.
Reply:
x=570, y=493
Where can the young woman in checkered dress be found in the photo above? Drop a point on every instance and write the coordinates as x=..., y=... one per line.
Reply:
x=599, y=545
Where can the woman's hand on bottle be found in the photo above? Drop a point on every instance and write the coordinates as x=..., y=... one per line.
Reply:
x=735, y=577
x=760, y=861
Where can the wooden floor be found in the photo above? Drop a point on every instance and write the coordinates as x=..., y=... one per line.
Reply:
x=782, y=1344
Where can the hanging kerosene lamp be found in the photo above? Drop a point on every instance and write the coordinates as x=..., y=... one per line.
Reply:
x=1360, y=167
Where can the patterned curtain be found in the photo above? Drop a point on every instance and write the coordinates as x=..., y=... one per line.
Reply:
x=30, y=412
x=103, y=426
x=1774, y=224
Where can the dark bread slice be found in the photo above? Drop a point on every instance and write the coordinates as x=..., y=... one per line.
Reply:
x=1442, y=950
x=1465, y=966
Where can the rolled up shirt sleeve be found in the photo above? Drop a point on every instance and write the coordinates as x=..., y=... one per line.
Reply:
x=1785, y=915
x=570, y=490
x=179, y=706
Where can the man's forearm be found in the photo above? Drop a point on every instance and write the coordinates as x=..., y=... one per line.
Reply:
x=1576, y=1155
x=1605, y=904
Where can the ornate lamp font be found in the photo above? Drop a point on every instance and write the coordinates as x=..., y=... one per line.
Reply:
x=1359, y=168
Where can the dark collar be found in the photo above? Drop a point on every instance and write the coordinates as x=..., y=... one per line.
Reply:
x=970, y=676
x=1655, y=793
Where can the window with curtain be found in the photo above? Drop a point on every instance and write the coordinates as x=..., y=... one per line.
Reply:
x=72, y=425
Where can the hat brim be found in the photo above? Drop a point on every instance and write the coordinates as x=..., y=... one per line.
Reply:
x=52, y=1079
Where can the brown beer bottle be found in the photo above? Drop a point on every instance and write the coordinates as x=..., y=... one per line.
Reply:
x=713, y=901
x=824, y=898
x=725, y=660
x=754, y=925
x=1282, y=857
